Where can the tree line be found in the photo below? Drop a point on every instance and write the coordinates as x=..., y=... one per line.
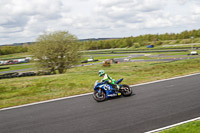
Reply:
x=142, y=40
x=5, y=50
x=135, y=42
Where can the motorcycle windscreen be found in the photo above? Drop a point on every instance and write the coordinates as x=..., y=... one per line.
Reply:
x=119, y=81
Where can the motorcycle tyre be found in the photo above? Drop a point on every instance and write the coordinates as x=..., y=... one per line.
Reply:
x=124, y=93
x=99, y=99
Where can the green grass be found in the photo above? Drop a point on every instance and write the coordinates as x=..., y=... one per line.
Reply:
x=80, y=80
x=150, y=58
x=181, y=53
x=17, y=67
x=14, y=56
x=191, y=127
x=161, y=57
x=103, y=57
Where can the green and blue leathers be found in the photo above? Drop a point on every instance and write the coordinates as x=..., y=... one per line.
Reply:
x=108, y=79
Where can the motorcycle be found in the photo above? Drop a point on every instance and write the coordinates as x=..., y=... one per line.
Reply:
x=103, y=90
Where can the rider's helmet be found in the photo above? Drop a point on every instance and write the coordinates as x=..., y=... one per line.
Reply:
x=101, y=72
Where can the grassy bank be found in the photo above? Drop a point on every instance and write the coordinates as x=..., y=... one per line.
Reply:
x=80, y=80
x=191, y=127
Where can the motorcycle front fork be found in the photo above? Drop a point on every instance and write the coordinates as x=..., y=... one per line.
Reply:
x=99, y=92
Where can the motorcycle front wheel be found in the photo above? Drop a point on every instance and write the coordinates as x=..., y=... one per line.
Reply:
x=99, y=97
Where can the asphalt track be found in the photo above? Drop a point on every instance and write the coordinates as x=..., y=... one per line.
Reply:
x=154, y=106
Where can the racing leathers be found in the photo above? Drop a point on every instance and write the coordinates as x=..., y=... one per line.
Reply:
x=110, y=81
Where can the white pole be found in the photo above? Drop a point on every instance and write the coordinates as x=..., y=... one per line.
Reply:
x=192, y=42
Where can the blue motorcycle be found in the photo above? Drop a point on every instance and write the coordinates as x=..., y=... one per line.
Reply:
x=104, y=90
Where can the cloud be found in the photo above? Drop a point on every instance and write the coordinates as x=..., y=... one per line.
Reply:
x=129, y=11
x=23, y=20
x=28, y=18
x=196, y=8
x=118, y=7
x=144, y=13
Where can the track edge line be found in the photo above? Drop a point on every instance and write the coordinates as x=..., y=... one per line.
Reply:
x=174, y=125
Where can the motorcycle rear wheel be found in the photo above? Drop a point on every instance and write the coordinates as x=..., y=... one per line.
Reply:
x=126, y=90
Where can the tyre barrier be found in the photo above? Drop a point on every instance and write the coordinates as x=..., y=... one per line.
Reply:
x=16, y=74
x=4, y=68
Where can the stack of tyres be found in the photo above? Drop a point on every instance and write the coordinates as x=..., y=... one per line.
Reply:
x=9, y=75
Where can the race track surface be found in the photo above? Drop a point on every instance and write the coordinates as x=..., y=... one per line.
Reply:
x=153, y=106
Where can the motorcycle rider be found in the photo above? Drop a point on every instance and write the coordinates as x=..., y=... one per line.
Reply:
x=109, y=79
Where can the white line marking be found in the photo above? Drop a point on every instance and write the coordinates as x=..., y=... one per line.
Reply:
x=167, y=127
x=165, y=80
x=57, y=99
x=47, y=101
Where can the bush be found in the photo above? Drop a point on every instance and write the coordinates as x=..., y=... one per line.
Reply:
x=136, y=45
x=158, y=43
x=172, y=42
x=186, y=41
x=178, y=41
x=196, y=40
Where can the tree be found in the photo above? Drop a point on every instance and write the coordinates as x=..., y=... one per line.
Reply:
x=129, y=42
x=56, y=51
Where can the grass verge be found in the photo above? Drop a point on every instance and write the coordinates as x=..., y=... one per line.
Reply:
x=17, y=67
x=80, y=80
x=191, y=127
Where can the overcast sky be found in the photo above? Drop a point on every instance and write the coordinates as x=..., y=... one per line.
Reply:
x=25, y=20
